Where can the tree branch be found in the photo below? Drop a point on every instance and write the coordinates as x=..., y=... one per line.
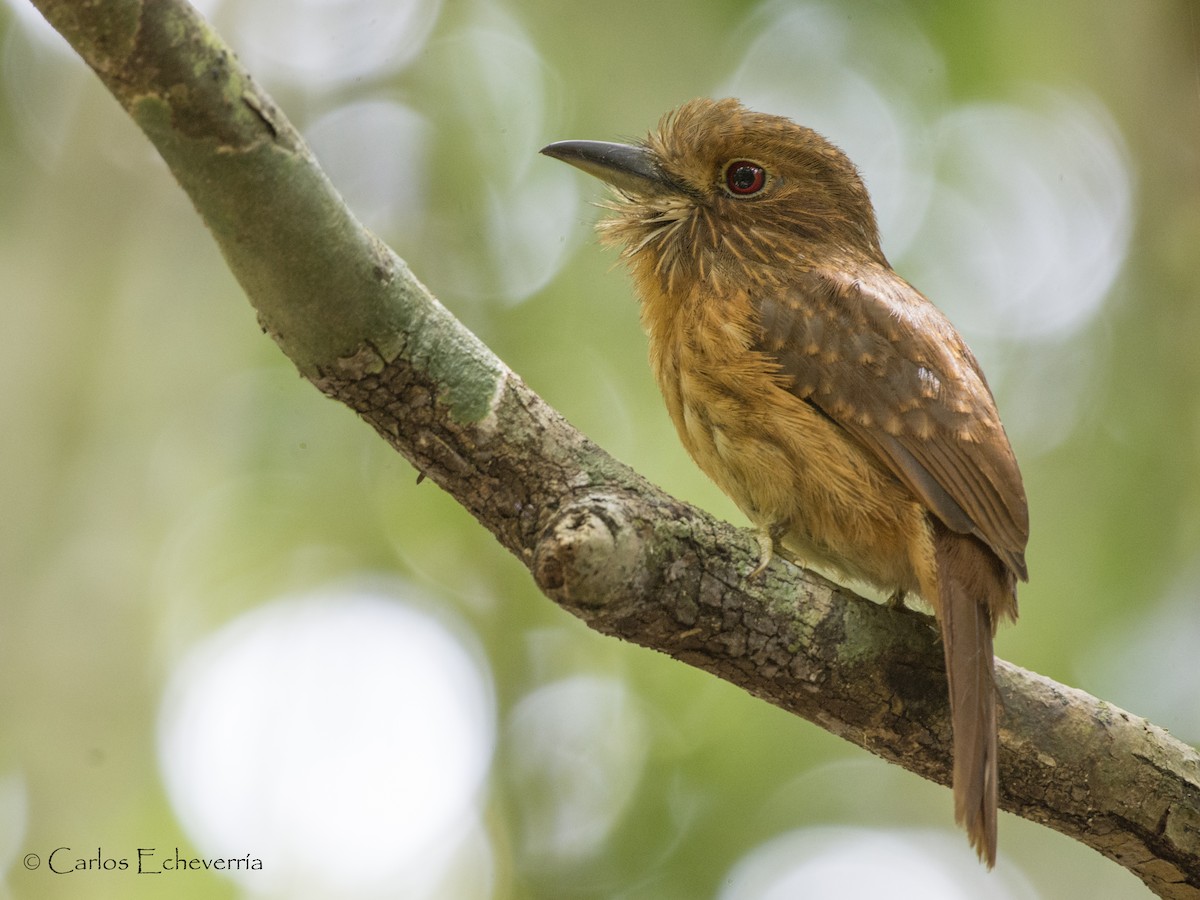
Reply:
x=598, y=539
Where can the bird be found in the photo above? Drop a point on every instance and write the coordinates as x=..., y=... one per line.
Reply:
x=828, y=398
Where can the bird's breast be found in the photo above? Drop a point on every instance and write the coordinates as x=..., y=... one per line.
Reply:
x=785, y=464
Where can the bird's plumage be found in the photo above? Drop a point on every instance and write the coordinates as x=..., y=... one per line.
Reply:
x=882, y=362
x=833, y=402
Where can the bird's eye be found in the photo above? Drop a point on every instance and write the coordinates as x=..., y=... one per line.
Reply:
x=744, y=178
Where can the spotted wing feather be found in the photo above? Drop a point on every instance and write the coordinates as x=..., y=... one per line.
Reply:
x=889, y=368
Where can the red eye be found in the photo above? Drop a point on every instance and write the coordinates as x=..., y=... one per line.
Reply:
x=744, y=178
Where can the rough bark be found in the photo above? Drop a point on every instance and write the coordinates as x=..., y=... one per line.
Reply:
x=598, y=539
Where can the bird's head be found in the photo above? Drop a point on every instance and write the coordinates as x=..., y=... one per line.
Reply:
x=719, y=187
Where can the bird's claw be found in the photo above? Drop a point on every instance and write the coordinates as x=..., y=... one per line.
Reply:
x=766, y=551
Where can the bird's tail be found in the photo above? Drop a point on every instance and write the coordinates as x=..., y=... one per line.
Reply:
x=974, y=588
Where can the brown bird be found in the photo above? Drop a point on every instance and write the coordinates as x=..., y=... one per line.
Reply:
x=825, y=395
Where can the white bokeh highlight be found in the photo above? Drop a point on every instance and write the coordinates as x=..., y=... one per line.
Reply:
x=343, y=737
x=861, y=864
x=502, y=86
x=322, y=44
x=376, y=152
x=577, y=749
x=1031, y=217
x=1148, y=661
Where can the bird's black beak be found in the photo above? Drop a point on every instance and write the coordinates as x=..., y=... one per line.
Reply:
x=631, y=169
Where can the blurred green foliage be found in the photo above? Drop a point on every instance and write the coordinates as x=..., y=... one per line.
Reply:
x=164, y=470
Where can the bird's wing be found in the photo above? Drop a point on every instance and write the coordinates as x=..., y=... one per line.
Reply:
x=877, y=358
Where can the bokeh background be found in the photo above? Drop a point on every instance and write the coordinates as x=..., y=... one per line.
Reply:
x=232, y=623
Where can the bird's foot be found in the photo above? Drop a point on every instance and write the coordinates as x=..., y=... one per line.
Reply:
x=769, y=547
x=766, y=551
x=896, y=600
